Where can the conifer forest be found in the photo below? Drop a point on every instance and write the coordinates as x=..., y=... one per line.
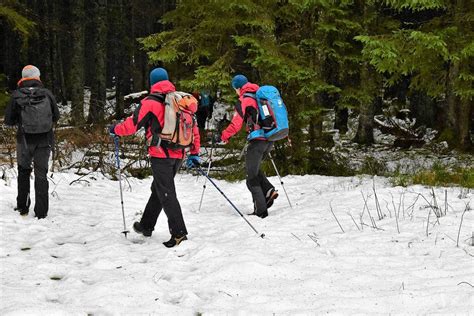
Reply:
x=355, y=69
x=236, y=157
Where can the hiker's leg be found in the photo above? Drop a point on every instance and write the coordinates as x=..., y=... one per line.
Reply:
x=152, y=210
x=24, y=159
x=264, y=183
x=40, y=162
x=164, y=170
x=253, y=160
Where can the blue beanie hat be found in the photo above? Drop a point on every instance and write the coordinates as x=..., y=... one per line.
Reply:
x=157, y=75
x=238, y=81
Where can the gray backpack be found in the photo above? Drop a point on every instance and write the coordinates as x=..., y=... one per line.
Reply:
x=36, y=112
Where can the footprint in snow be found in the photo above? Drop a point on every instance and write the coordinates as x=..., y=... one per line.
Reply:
x=52, y=297
x=136, y=240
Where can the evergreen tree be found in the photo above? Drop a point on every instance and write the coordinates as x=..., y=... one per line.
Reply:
x=438, y=55
x=98, y=86
x=15, y=27
x=76, y=75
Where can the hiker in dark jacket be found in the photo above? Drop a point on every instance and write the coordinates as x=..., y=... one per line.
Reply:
x=33, y=109
x=263, y=192
x=165, y=162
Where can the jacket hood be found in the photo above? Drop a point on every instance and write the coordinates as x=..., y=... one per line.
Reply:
x=249, y=87
x=163, y=86
x=30, y=82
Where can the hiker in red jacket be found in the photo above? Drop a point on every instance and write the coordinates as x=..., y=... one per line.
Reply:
x=165, y=162
x=263, y=192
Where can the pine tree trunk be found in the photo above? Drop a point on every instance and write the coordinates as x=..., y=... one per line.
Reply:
x=98, y=88
x=465, y=118
x=76, y=74
x=451, y=103
x=365, y=130
x=14, y=56
x=58, y=70
x=42, y=44
x=124, y=58
x=458, y=113
x=459, y=108
x=140, y=26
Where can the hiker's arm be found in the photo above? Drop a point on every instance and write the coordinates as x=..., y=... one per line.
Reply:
x=54, y=107
x=233, y=128
x=134, y=122
x=196, y=146
x=11, y=115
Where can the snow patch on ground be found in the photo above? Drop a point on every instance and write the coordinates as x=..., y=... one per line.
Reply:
x=77, y=261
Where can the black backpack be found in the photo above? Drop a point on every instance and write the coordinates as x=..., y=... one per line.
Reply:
x=36, y=112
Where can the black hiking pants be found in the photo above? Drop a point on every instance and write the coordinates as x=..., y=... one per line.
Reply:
x=257, y=182
x=201, y=117
x=163, y=196
x=39, y=155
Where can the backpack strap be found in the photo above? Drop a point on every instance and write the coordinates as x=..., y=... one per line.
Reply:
x=160, y=97
x=238, y=109
x=250, y=95
x=251, y=116
x=151, y=121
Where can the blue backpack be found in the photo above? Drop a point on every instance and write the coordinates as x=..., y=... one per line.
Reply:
x=205, y=99
x=272, y=114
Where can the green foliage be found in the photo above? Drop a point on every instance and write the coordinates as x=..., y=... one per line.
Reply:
x=415, y=5
x=18, y=22
x=4, y=96
x=447, y=135
x=320, y=50
x=373, y=166
x=324, y=162
x=438, y=175
x=424, y=52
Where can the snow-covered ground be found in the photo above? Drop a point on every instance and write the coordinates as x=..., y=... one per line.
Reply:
x=77, y=262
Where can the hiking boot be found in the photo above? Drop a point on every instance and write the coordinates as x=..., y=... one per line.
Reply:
x=23, y=212
x=139, y=229
x=175, y=240
x=271, y=196
x=263, y=215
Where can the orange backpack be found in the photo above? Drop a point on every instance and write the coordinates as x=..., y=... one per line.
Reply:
x=179, y=120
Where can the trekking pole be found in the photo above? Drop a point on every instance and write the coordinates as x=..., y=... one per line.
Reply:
x=243, y=151
x=205, y=180
x=281, y=181
x=116, y=142
x=235, y=208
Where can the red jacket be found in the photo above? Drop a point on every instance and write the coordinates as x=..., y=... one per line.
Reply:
x=141, y=116
x=238, y=118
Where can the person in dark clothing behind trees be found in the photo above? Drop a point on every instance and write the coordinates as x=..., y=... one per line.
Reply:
x=165, y=162
x=263, y=192
x=33, y=108
x=205, y=108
